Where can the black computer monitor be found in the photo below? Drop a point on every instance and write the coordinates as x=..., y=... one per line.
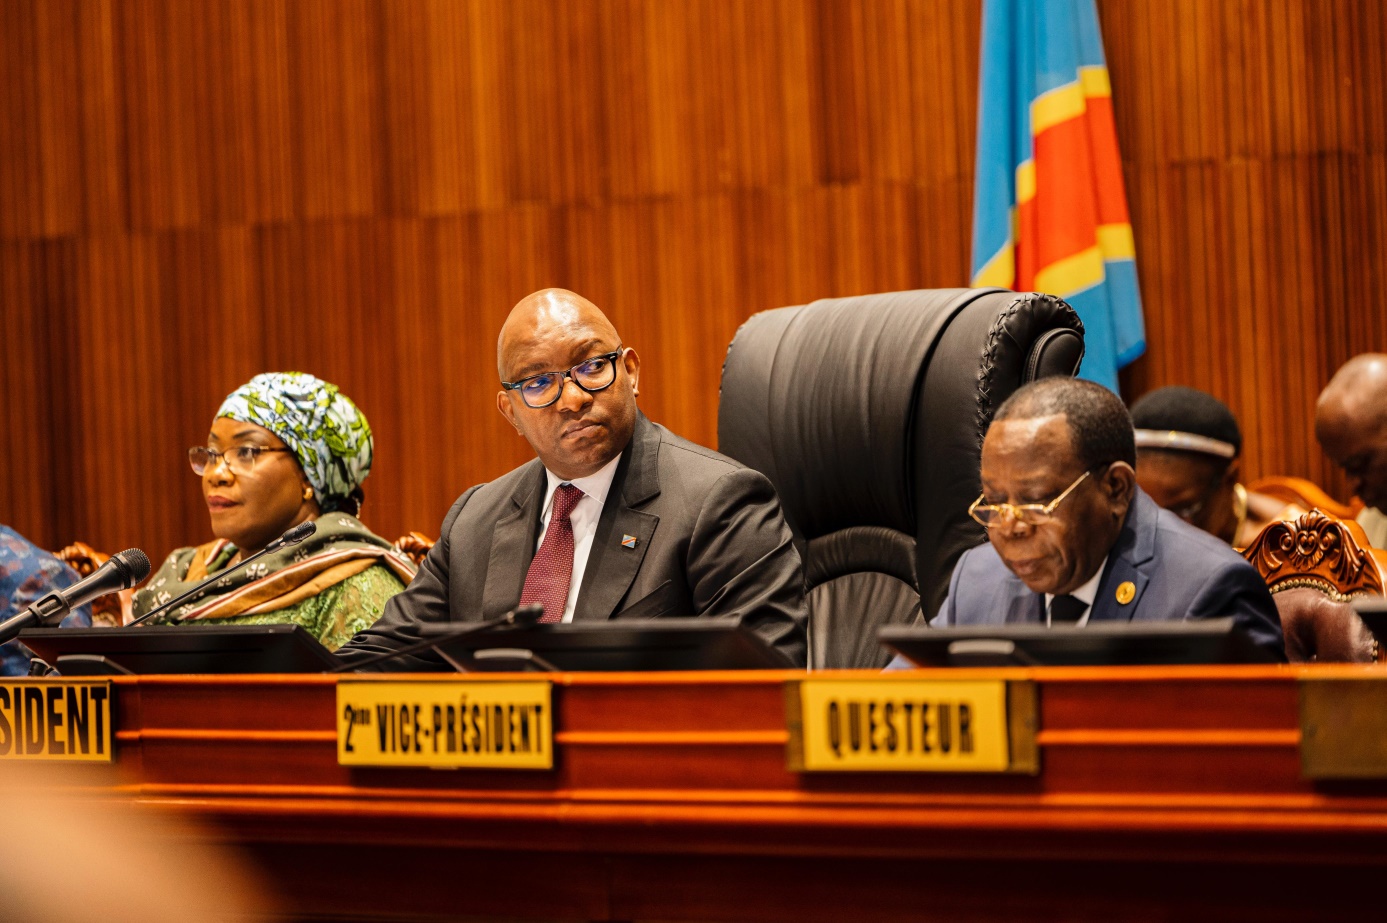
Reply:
x=637, y=645
x=180, y=649
x=1095, y=644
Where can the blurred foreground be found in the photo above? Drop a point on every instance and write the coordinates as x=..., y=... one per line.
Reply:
x=70, y=853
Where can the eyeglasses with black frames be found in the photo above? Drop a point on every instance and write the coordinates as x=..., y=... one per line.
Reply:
x=592, y=375
x=239, y=459
x=1032, y=514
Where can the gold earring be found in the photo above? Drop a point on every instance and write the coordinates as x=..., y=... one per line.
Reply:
x=308, y=493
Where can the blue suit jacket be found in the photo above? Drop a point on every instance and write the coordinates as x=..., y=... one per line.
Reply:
x=1179, y=572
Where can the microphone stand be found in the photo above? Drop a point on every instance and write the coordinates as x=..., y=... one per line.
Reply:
x=519, y=617
x=278, y=544
x=49, y=610
x=128, y=568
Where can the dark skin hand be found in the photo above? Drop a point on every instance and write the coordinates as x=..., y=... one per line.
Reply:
x=554, y=330
x=1192, y=487
x=252, y=510
x=1033, y=461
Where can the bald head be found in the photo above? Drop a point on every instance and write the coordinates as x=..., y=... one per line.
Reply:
x=575, y=366
x=543, y=315
x=1357, y=394
x=1351, y=424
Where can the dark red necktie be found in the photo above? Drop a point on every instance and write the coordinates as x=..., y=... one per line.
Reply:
x=551, y=571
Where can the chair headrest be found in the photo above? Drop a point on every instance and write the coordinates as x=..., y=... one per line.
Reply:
x=820, y=399
x=824, y=398
x=870, y=411
x=1032, y=336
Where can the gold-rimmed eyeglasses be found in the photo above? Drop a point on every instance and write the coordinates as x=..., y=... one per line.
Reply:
x=1032, y=514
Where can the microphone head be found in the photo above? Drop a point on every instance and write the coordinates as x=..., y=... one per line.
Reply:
x=298, y=533
x=133, y=565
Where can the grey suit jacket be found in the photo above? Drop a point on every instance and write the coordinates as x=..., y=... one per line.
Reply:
x=710, y=541
x=1179, y=572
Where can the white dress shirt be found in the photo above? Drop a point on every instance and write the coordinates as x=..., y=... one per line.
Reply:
x=1085, y=594
x=1374, y=522
x=583, y=519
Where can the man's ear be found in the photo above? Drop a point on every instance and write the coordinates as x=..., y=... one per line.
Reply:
x=1119, y=483
x=632, y=363
x=1231, y=476
x=507, y=411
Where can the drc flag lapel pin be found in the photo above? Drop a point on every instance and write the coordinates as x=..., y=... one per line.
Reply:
x=628, y=541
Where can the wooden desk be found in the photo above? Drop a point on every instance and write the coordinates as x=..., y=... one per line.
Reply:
x=1164, y=793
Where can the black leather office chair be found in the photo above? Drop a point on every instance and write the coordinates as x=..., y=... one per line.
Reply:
x=867, y=414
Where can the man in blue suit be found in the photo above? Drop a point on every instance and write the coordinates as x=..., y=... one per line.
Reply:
x=1073, y=540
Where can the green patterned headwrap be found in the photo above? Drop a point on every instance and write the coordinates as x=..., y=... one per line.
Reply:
x=321, y=426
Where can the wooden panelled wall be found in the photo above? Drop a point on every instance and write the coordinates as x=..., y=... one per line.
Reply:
x=193, y=191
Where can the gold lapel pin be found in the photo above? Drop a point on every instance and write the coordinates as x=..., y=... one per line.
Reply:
x=1126, y=592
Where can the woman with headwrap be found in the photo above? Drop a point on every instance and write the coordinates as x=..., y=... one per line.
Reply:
x=284, y=448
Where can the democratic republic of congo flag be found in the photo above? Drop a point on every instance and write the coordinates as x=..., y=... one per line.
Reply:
x=1049, y=208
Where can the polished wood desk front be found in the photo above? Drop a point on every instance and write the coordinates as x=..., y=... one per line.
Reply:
x=1163, y=793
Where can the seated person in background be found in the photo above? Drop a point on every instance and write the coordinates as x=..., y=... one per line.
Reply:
x=1188, y=444
x=27, y=574
x=1073, y=540
x=1351, y=425
x=284, y=449
x=617, y=517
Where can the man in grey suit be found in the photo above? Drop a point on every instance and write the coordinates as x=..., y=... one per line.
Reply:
x=1073, y=540
x=616, y=517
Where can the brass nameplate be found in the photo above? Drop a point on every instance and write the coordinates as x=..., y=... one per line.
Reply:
x=1343, y=728
x=883, y=724
x=445, y=724
x=55, y=719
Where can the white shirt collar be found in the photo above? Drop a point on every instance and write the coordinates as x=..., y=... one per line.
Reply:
x=595, y=485
x=1085, y=594
x=1089, y=590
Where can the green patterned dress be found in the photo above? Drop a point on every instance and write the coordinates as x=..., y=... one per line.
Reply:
x=272, y=590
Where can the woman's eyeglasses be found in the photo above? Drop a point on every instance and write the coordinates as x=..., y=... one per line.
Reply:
x=239, y=460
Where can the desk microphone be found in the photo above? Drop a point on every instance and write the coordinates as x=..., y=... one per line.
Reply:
x=292, y=537
x=121, y=572
x=519, y=617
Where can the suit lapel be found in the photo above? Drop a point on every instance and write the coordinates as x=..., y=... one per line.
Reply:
x=613, y=561
x=1105, y=604
x=513, y=547
x=1135, y=547
x=612, y=566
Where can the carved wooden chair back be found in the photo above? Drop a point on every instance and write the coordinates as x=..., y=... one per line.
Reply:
x=110, y=610
x=1305, y=494
x=1315, y=566
x=415, y=546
